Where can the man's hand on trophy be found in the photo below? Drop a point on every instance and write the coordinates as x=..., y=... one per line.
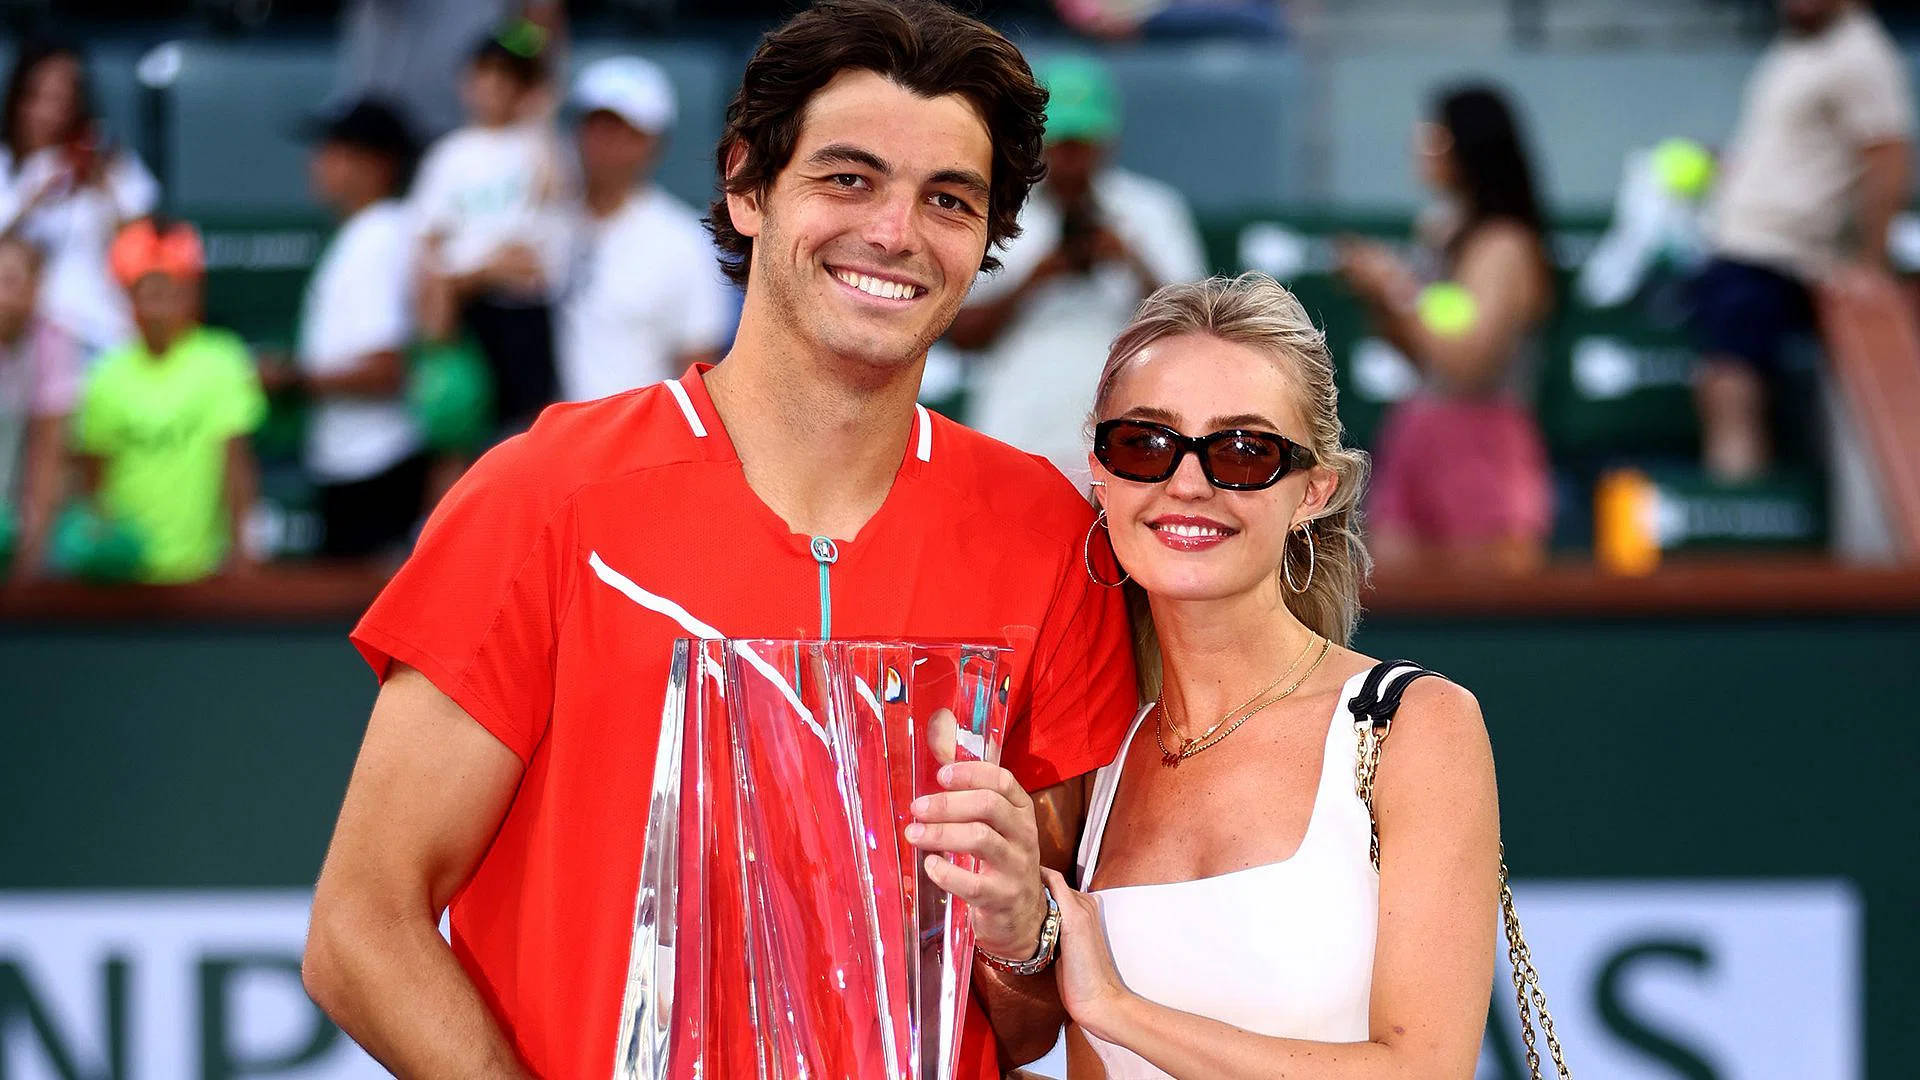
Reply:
x=983, y=813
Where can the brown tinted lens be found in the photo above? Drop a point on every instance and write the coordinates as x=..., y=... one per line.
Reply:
x=1246, y=458
x=1138, y=452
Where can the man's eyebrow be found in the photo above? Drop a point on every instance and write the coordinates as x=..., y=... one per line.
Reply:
x=965, y=178
x=847, y=154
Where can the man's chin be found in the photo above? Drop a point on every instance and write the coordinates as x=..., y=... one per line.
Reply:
x=887, y=352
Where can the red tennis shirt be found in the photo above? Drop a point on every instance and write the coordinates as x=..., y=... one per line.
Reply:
x=544, y=598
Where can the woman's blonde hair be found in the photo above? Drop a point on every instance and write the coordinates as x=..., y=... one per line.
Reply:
x=1258, y=312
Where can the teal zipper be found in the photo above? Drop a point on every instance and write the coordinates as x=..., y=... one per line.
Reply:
x=826, y=554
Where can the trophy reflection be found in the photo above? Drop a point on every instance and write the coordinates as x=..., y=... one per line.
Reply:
x=784, y=928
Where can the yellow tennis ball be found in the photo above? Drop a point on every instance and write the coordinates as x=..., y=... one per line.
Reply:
x=1448, y=309
x=1684, y=167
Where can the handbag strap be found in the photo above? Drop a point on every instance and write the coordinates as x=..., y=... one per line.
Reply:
x=1373, y=709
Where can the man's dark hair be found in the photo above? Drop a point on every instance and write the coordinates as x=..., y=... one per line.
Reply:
x=925, y=47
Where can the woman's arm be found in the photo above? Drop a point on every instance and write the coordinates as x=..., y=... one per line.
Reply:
x=41, y=491
x=1433, y=959
x=1500, y=270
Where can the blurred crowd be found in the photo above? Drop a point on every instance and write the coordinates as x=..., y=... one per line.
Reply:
x=500, y=247
x=518, y=259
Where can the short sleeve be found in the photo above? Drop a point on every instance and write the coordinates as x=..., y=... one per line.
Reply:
x=1874, y=102
x=134, y=191
x=475, y=608
x=426, y=202
x=1083, y=689
x=380, y=282
x=242, y=404
x=95, y=430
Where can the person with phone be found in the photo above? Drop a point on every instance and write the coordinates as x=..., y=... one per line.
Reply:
x=1234, y=923
x=1095, y=238
x=68, y=187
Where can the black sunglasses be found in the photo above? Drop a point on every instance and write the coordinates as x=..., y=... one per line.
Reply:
x=1236, y=459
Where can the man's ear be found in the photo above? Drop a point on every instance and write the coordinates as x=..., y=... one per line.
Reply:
x=744, y=208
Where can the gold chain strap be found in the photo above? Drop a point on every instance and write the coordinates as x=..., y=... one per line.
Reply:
x=1528, y=994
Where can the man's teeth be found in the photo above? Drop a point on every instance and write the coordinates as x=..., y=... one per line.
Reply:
x=1192, y=530
x=873, y=286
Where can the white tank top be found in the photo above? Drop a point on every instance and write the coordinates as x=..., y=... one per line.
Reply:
x=1284, y=949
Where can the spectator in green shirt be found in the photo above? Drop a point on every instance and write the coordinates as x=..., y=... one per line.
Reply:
x=163, y=424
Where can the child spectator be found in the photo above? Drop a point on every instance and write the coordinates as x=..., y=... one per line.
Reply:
x=364, y=448
x=68, y=189
x=490, y=204
x=163, y=421
x=39, y=377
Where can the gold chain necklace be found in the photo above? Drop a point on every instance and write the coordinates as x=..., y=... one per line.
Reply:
x=1172, y=758
x=1229, y=714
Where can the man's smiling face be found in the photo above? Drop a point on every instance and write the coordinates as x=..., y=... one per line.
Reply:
x=867, y=241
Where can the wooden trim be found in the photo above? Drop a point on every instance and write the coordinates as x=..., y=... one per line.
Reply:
x=1729, y=586
x=1745, y=586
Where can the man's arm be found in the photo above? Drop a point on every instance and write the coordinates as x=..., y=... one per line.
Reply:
x=1883, y=191
x=427, y=795
x=1025, y=1011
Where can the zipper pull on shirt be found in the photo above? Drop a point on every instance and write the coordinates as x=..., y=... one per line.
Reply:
x=825, y=553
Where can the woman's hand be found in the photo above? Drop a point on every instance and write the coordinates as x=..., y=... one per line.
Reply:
x=1372, y=270
x=1090, y=984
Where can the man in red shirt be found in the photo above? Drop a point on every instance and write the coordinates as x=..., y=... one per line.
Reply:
x=875, y=153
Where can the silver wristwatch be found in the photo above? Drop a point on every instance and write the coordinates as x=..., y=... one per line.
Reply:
x=1042, y=956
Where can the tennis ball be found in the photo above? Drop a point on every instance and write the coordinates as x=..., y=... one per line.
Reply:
x=1683, y=167
x=1448, y=309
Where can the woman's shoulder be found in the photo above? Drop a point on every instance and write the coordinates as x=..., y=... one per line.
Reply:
x=1501, y=236
x=1440, y=697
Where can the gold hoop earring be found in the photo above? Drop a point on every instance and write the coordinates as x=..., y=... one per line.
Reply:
x=1086, y=553
x=1286, y=568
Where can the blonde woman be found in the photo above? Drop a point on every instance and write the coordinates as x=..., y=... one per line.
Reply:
x=1235, y=925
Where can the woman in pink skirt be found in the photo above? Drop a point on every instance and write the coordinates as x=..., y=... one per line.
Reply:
x=1461, y=477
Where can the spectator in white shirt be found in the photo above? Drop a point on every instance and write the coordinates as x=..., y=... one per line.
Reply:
x=364, y=449
x=1094, y=240
x=65, y=187
x=647, y=299
x=491, y=205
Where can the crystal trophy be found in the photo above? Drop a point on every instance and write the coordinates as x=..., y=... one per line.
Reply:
x=784, y=928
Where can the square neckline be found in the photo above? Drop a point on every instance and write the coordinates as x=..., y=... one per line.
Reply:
x=1306, y=835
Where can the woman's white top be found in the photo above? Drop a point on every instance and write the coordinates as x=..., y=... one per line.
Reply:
x=74, y=224
x=1284, y=949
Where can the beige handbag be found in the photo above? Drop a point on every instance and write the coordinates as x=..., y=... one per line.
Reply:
x=1373, y=710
